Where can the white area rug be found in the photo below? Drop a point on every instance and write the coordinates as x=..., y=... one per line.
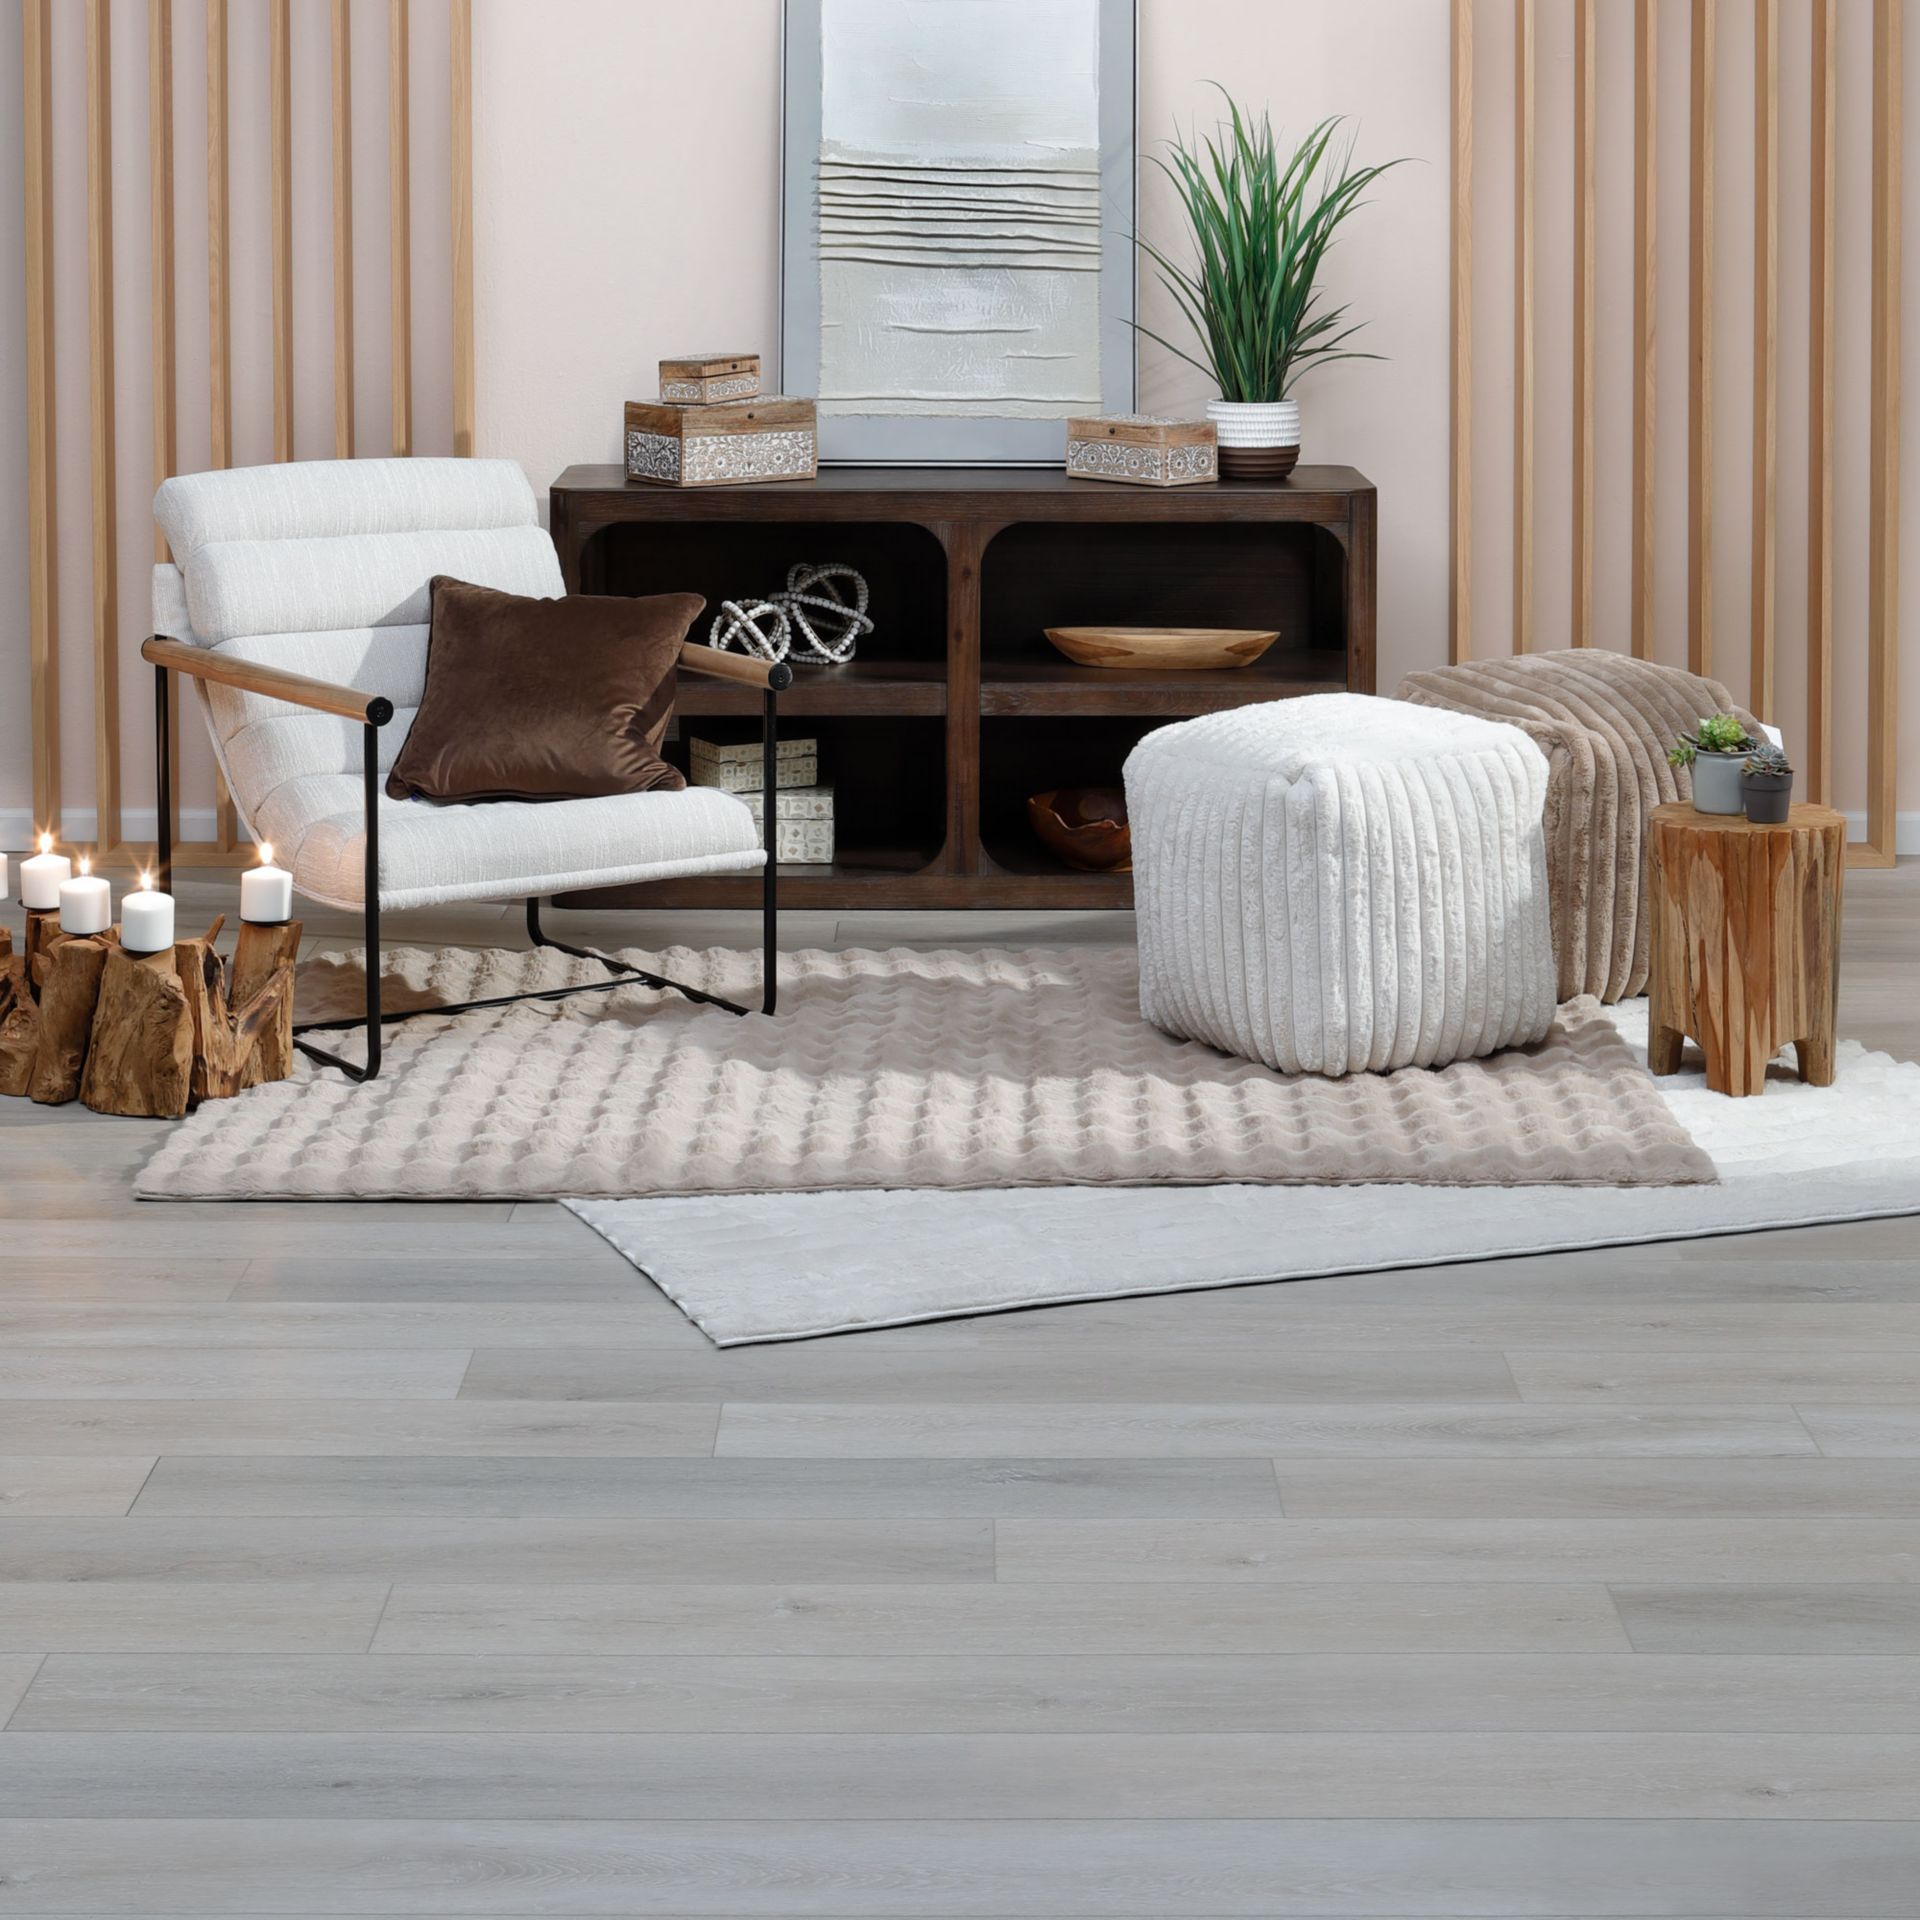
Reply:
x=748, y=1268
x=996, y=1068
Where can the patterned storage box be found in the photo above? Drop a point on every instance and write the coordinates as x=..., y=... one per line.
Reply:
x=1142, y=449
x=700, y=379
x=735, y=767
x=727, y=444
x=802, y=824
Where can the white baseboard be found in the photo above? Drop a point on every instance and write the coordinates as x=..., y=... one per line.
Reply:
x=1906, y=830
x=80, y=826
x=77, y=824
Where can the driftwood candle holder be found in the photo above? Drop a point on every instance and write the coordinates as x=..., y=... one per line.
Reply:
x=147, y=1035
x=242, y=1024
x=47, y=996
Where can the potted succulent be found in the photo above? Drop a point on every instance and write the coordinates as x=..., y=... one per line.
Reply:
x=1259, y=223
x=1766, y=786
x=1715, y=750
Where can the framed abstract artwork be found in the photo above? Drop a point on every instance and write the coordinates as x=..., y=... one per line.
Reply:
x=957, y=222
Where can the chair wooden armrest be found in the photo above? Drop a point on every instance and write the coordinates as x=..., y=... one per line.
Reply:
x=772, y=676
x=369, y=709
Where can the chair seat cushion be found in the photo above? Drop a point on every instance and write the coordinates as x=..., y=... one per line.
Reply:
x=509, y=847
x=1339, y=884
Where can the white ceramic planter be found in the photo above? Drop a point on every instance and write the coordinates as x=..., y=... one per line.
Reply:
x=1716, y=782
x=1259, y=439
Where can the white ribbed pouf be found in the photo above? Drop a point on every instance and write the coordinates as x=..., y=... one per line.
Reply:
x=1340, y=883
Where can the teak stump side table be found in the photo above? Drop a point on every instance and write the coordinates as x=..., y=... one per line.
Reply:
x=1746, y=942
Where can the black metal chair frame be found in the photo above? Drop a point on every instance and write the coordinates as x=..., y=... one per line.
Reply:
x=374, y=712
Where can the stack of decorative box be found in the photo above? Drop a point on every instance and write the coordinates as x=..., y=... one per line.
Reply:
x=712, y=427
x=802, y=807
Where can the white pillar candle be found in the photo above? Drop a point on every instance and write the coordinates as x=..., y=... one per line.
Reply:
x=86, y=906
x=266, y=892
x=146, y=919
x=40, y=877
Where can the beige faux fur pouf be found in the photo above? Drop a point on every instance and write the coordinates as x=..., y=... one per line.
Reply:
x=1605, y=722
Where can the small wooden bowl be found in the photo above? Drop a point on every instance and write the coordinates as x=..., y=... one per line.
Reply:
x=1086, y=827
x=1162, y=649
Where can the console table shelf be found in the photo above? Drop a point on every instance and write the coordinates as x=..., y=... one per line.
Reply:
x=958, y=707
x=883, y=687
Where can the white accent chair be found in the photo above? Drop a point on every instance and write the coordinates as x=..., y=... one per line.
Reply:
x=296, y=603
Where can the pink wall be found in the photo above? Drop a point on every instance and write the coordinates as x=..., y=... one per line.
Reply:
x=651, y=224
x=626, y=206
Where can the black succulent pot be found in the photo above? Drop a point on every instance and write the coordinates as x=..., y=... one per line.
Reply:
x=1767, y=796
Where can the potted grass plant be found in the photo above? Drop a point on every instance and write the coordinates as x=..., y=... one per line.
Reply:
x=1715, y=751
x=1259, y=222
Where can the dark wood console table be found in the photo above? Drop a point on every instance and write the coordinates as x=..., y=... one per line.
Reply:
x=958, y=707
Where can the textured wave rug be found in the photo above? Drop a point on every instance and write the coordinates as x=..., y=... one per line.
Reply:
x=902, y=1069
x=756, y=1267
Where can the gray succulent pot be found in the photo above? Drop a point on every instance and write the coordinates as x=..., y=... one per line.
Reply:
x=1716, y=782
x=1767, y=796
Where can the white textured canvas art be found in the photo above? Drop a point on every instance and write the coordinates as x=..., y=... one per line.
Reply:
x=959, y=202
x=955, y=245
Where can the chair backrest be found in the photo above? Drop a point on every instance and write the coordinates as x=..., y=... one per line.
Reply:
x=321, y=567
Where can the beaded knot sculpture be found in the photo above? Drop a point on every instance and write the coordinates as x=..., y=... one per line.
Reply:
x=754, y=626
x=816, y=601
x=827, y=603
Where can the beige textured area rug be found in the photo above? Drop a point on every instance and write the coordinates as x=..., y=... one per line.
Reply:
x=900, y=1069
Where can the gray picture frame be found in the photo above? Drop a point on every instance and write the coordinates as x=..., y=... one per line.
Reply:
x=934, y=440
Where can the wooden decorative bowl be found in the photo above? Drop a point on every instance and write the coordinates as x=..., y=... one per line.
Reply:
x=1162, y=649
x=1086, y=827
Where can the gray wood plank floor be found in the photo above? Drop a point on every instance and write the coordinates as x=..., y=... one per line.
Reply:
x=398, y=1560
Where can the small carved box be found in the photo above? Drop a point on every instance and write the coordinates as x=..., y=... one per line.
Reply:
x=739, y=767
x=802, y=824
x=725, y=444
x=1142, y=450
x=699, y=379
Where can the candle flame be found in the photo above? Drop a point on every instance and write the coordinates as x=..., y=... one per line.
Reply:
x=266, y=853
x=86, y=866
x=46, y=843
x=146, y=881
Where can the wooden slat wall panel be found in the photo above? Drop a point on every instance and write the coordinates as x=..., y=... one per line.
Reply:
x=219, y=311
x=160, y=223
x=1766, y=313
x=400, y=223
x=1822, y=740
x=1700, y=343
x=1818, y=751
x=112, y=611
x=1646, y=31
x=1581, y=621
x=43, y=606
x=460, y=50
x=166, y=455
x=342, y=41
x=280, y=188
x=1883, y=506
x=219, y=268
x=103, y=479
x=1460, y=617
x=1523, y=170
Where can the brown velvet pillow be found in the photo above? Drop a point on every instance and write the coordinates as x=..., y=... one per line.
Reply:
x=543, y=699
